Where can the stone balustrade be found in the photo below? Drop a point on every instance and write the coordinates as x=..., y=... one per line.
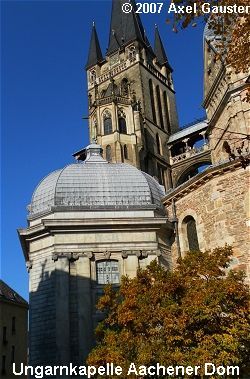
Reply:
x=110, y=99
x=190, y=152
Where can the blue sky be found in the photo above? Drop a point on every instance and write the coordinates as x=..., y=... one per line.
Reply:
x=44, y=50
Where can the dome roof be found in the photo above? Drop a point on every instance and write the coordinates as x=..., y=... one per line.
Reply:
x=96, y=184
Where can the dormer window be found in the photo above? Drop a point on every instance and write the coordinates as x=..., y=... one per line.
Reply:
x=132, y=53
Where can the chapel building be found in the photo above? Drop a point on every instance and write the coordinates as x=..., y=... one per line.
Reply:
x=143, y=189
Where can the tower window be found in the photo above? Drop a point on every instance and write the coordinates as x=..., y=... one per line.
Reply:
x=167, y=111
x=107, y=123
x=108, y=153
x=158, y=144
x=160, y=175
x=124, y=87
x=107, y=271
x=151, y=93
x=125, y=152
x=192, y=237
x=122, y=125
x=159, y=106
x=90, y=100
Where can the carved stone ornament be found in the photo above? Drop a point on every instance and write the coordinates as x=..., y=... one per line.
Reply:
x=29, y=265
x=124, y=254
x=121, y=113
x=54, y=257
x=88, y=254
x=74, y=257
x=107, y=254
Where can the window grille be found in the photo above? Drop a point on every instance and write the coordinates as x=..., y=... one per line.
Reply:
x=107, y=271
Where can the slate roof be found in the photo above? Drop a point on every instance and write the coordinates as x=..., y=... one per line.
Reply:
x=7, y=293
x=95, y=53
x=192, y=129
x=124, y=27
x=97, y=184
x=159, y=50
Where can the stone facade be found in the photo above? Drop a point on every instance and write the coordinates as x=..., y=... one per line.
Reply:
x=13, y=331
x=214, y=205
x=63, y=250
x=218, y=201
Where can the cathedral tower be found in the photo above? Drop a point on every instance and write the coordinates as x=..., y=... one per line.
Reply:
x=132, y=109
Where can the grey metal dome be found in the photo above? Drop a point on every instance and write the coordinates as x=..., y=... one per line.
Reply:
x=96, y=184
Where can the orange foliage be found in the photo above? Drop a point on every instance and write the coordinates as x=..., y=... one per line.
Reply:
x=198, y=313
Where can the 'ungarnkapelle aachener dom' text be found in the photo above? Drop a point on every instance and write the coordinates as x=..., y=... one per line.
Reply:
x=110, y=369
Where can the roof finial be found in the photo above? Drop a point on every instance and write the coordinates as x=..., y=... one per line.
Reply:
x=93, y=23
x=156, y=26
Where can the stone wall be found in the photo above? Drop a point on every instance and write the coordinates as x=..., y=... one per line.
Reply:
x=218, y=200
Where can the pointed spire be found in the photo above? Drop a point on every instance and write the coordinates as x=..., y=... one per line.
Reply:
x=159, y=49
x=113, y=42
x=148, y=44
x=124, y=27
x=95, y=53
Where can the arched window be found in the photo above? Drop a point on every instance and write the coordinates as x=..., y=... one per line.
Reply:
x=151, y=93
x=107, y=123
x=159, y=106
x=158, y=144
x=122, y=125
x=125, y=152
x=107, y=272
x=108, y=153
x=192, y=237
x=167, y=111
x=124, y=87
x=90, y=100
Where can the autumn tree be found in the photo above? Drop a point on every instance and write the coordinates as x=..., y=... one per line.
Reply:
x=195, y=314
x=225, y=21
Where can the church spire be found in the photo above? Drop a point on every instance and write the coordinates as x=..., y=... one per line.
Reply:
x=124, y=27
x=95, y=53
x=159, y=50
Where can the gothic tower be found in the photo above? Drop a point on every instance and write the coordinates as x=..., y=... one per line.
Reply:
x=132, y=109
